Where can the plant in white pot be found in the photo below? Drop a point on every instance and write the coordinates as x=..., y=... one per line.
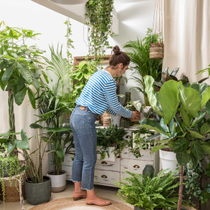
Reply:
x=184, y=127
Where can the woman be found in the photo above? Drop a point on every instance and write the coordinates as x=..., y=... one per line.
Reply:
x=98, y=96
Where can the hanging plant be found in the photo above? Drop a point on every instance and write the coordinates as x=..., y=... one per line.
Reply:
x=99, y=19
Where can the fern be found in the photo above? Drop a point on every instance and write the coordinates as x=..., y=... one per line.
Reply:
x=147, y=193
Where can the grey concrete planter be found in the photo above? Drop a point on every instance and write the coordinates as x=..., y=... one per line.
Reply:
x=37, y=193
x=58, y=181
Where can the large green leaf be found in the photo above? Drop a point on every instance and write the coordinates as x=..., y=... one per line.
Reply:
x=208, y=107
x=201, y=88
x=205, y=97
x=169, y=99
x=54, y=130
x=197, y=150
x=35, y=126
x=206, y=148
x=156, y=148
x=31, y=96
x=148, y=81
x=180, y=145
x=182, y=158
x=185, y=116
x=196, y=134
x=25, y=73
x=198, y=119
x=191, y=101
x=7, y=74
x=59, y=152
x=153, y=125
x=19, y=96
x=172, y=128
x=24, y=144
x=205, y=129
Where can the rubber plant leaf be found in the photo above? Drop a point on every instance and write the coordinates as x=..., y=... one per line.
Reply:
x=153, y=125
x=148, y=81
x=191, y=101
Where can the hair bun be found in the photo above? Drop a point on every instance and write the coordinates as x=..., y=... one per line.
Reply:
x=116, y=50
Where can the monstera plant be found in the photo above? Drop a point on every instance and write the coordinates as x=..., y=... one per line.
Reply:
x=184, y=124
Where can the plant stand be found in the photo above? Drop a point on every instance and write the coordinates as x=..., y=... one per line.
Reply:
x=19, y=179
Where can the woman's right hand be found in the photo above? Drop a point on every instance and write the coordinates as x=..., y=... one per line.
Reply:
x=135, y=116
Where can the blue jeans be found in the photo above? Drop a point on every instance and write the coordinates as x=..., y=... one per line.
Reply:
x=82, y=123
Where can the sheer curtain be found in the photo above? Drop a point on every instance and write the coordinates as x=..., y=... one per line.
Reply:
x=186, y=37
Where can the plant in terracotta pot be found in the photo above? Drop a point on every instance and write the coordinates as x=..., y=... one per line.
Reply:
x=146, y=193
x=183, y=127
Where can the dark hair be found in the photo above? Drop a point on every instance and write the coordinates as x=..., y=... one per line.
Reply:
x=119, y=57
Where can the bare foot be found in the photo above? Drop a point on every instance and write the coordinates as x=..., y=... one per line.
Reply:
x=97, y=201
x=79, y=195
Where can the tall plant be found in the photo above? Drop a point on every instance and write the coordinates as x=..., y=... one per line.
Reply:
x=183, y=126
x=99, y=18
x=138, y=51
x=20, y=68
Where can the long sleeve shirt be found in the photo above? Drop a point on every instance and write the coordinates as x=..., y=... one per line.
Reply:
x=99, y=95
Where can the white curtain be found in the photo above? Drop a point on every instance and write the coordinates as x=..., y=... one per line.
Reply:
x=186, y=37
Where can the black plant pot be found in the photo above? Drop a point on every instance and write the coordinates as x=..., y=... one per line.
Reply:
x=37, y=193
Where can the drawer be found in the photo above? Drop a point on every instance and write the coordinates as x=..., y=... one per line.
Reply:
x=68, y=170
x=68, y=160
x=145, y=154
x=134, y=166
x=108, y=165
x=106, y=177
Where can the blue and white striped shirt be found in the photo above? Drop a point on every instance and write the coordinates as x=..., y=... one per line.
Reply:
x=99, y=95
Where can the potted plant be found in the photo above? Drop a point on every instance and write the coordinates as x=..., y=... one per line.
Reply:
x=146, y=193
x=183, y=126
x=138, y=52
x=52, y=109
x=20, y=68
x=110, y=142
x=10, y=166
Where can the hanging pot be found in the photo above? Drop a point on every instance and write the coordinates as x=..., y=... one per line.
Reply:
x=156, y=51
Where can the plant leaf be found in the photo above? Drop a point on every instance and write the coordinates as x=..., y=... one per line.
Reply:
x=197, y=150
x=182, y=158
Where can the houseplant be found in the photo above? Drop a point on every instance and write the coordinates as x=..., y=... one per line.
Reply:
x=51, y=109
x=138, y=52
x=99, y=19
x=20, y=68
x=183, y=126
x=10, y=166
x=110, y=140
x=146, y=193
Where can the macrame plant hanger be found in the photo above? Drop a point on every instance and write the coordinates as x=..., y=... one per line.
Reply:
x=157, y=49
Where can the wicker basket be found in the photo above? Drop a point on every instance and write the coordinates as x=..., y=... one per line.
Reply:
x=106, y=119
x=11, y=192
x=156, y=51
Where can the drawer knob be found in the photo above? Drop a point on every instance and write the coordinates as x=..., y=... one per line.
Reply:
x=104, y=163
x=136, y=166
x=103, y=176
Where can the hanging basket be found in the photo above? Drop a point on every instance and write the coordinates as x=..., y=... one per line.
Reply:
x=156, y=51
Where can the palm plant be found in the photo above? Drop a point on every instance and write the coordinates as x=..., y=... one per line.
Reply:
x=138, y=52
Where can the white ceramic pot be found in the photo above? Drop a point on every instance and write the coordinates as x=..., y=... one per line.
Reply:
x=58, y=181
x=116, y=119
x=168, y=160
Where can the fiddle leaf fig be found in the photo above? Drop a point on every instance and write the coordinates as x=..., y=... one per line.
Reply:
x=182, y=158
x=148, y=81
x=191, y=101
x=197, y=150
x=196, y=134
x=169, y=99
x=185, y=116
x=205, y=129
x=180, y=145
x=205, y=97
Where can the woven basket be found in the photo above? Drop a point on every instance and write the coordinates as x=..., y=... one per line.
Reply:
x=11, y=192
x=156, y=51
x=106, y=118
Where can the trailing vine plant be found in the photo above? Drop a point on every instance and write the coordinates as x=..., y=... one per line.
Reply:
x=99, y=19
